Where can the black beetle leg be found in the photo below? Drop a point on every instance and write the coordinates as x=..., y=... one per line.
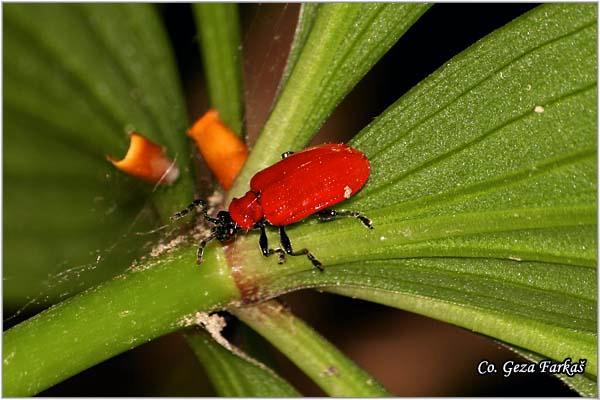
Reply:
x=203, y=243
x=264, y=245
x=329, y=215
x=286, y=154
x=287, y=246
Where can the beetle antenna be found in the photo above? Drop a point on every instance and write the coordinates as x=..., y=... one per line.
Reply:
x=191, y=207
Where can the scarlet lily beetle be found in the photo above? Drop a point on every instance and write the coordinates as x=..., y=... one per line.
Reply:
x=300, y=185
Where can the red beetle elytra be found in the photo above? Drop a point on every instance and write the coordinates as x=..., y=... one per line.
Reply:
x=300, y=185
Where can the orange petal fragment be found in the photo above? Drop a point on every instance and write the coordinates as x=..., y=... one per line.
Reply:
x=224, y=152
x=147, y=161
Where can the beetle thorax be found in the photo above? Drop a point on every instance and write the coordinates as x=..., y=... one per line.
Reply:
x=246, y=211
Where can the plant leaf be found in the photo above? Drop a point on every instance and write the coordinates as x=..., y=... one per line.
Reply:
x=234, y=376
x=344, y=42
x=306, y=19
x=78, y=77
x=218, y=27
x=337, y=375
x=484, y=205
x=583, y=384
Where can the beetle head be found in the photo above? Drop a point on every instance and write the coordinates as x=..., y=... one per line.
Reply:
x=225, y=228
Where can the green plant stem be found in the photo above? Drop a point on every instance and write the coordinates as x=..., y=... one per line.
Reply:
x=129, y=310
x=320, y=360
x=218, y=26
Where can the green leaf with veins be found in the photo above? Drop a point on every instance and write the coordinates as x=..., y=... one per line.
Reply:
x=74, y=85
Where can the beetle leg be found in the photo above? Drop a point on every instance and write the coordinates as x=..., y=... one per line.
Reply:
x=330, y=215
x=192, y=207
x=287, y=246
x=264, y=246
x=203, y=243
x=286, y=154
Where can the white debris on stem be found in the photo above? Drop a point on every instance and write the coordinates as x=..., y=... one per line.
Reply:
x=214, y=325
x=161, y=248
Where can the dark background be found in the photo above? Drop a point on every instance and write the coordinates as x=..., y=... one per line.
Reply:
x=410, y=354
